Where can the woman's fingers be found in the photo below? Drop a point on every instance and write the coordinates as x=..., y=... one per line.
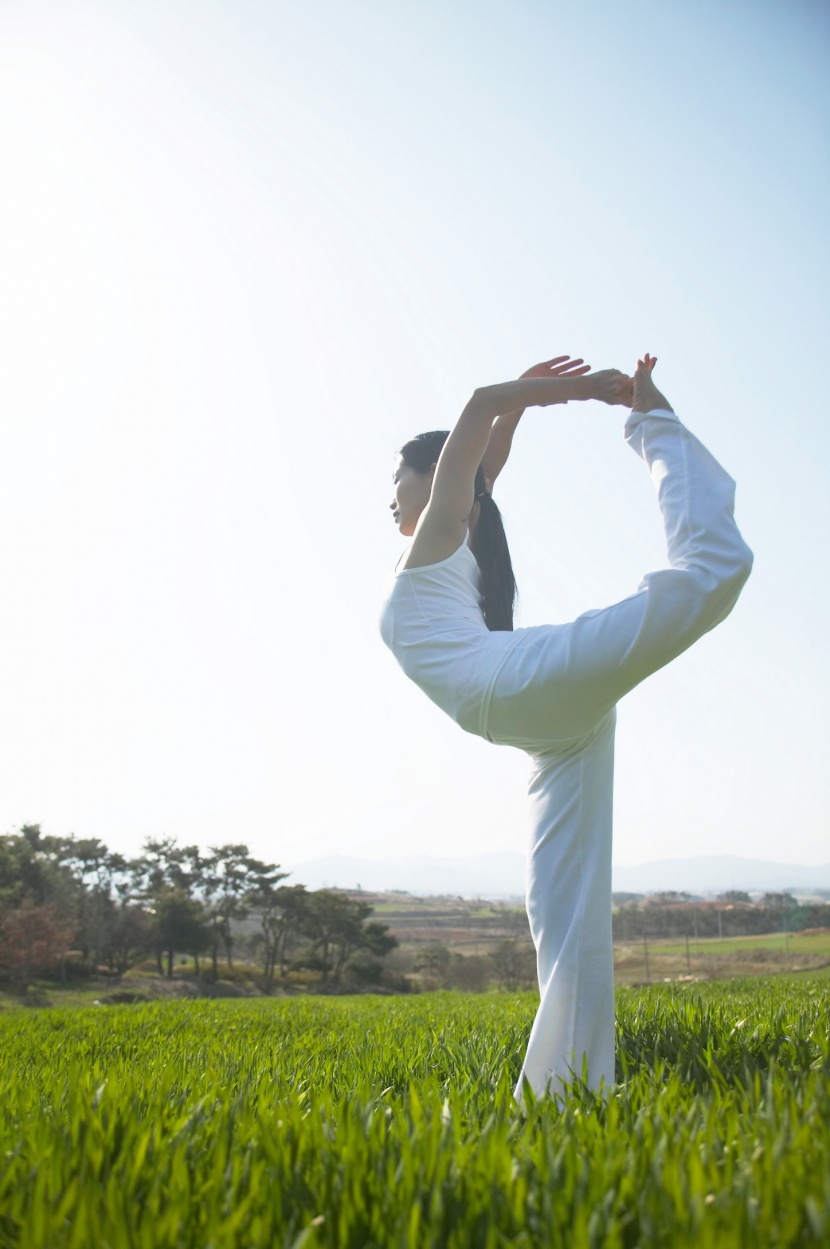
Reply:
x=559, y=366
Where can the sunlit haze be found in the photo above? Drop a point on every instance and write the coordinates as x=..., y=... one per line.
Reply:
x=248, y=250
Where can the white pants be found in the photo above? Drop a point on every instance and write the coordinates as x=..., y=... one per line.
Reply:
x=555, y=697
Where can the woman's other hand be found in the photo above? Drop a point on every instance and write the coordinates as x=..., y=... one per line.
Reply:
x=560, y=366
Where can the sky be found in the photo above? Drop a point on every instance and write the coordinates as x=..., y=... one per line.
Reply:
x=248, y=249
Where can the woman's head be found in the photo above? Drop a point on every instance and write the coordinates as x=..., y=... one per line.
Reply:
x=413, y=477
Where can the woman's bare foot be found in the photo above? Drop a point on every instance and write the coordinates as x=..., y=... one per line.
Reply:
x=646, y=395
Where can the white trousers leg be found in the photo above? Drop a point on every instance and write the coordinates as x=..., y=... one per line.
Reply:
x=569, y=908
x=554, y=697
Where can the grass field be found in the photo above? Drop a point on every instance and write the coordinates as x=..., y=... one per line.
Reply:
x=362, y=1122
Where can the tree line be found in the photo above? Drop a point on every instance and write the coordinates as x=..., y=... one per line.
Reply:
x=734, y=914
x=71, y=904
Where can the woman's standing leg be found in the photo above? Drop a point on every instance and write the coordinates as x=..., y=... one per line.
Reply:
x=569, y=908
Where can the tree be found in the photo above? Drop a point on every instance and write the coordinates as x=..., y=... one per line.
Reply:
x=228, y=879
x=179, y=925
x=282, y=911
x=470, y=972
x=30, y=870
x=337, y=927
x=157, y=868
x=166, y=871
x=378, y=940
x=734, y=895
x=93, y=868
x=515, y=965
x=33, y=938
x=434, y=959
x=130, y=936
x=778, y=900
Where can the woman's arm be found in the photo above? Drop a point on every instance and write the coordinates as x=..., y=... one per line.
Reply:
x=443, y=523
x=505, y=426
x=498, y=448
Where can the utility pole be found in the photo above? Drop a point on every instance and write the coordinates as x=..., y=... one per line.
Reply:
x=688, y=957
x=645, y=947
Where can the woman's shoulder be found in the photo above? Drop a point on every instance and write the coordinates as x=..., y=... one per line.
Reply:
x=420, y=562
x=435, y=540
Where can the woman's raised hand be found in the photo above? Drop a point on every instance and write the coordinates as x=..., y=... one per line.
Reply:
x=609, y=386
x=646, y=395
x=560, y=366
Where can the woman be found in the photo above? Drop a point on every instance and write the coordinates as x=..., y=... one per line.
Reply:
x=551, y=690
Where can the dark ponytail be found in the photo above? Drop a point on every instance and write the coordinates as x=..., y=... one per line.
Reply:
x=487, y=539
x=488, y=543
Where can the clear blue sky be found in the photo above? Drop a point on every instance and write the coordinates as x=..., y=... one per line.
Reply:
x=248, y=250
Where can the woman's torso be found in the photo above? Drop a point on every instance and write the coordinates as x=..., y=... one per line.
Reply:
x=431, y=620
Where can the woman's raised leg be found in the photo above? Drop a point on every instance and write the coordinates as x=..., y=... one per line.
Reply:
x=560, y=680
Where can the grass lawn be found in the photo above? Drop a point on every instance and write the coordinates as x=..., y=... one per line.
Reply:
x=367, y=1123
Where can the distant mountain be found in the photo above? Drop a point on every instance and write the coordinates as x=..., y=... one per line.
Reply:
x=498, y=875
x=715, y=873
x=502, y=875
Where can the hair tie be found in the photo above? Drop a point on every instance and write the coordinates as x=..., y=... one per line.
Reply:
x=483, y=493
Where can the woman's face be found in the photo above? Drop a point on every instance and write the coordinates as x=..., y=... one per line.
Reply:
x=412, y=491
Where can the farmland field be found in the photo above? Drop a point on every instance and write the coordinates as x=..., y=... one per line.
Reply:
x=787, y=943
x=714, y=957
x=359, y=1122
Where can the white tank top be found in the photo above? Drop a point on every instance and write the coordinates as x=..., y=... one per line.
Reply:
x=432, y=621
